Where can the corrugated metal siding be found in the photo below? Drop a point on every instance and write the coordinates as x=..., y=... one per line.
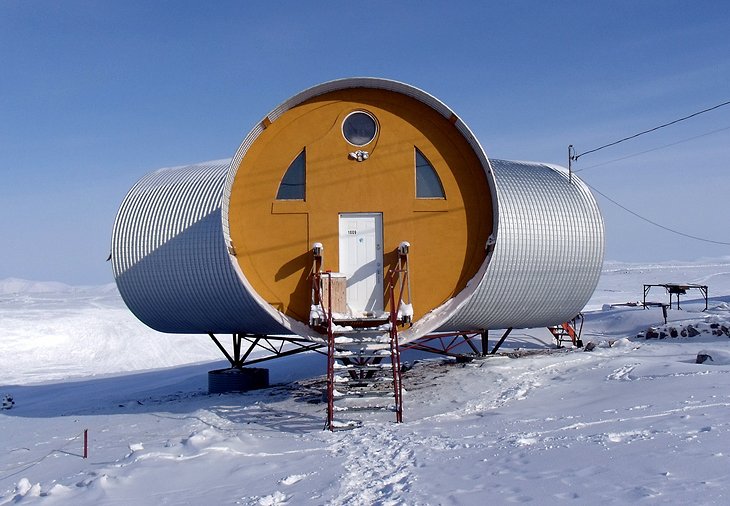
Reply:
x=173, y=271
x=548, y=253
x=169, y=257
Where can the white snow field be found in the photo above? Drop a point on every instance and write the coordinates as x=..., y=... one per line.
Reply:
x=634, y=421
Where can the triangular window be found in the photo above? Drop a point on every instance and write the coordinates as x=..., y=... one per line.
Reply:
x=293, y=183
x=428, y=184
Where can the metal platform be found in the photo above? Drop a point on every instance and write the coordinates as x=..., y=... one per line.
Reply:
x=677, y=289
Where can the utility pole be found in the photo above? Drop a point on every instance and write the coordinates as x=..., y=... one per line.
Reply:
x=571, y=157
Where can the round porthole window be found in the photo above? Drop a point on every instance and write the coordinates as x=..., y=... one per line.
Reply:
x=359, y=128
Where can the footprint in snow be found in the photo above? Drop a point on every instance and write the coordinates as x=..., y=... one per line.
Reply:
x=292, y=479
x=622, y=373
x=274, y=499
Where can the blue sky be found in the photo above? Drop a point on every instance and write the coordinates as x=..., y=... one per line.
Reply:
x=93, y=95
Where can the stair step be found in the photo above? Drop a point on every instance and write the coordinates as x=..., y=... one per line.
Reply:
x=365, y=393
x=367, y=367
x=381, y=348
x=384, y=354
x=381, y=344
x=390, y=407
x=345, y=424
x=362, y=381
x=373, y=329
x=364, y=354
x=371, y=322
x=378, y=338
x=362, y=394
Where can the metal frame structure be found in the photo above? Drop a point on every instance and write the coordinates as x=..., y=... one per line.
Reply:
x=439, y=343
x=677, y=289
x=443, y=343
x=273, y=344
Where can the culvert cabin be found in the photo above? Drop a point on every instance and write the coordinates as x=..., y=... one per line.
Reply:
x=368, y=199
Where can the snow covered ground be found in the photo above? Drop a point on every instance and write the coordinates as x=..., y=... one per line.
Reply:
x=634, y=420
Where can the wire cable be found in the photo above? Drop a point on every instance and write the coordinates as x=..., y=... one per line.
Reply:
x=575, y=157
x=653, y=149
x=654, y=222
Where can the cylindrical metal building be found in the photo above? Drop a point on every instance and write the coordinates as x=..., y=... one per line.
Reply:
x=358, y=167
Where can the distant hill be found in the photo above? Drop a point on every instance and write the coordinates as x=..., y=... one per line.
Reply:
x=12, y=286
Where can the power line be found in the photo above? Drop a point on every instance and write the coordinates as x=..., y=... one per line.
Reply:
x=653, y=149
x=572, y=156
x=575, y=157
x=654, y=222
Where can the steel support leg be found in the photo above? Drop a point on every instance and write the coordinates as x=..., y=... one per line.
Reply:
x=501, y=340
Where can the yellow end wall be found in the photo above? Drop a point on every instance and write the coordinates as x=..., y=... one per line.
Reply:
x=272, y=239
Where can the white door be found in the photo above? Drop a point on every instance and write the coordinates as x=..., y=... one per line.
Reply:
x=361, y=260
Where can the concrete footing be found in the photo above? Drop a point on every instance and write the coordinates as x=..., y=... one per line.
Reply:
x=237, y=380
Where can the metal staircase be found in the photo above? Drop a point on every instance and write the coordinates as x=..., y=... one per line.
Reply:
x=363, y=354
x=363, y=375
x=568, y=332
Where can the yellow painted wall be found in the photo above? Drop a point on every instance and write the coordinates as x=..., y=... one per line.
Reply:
x=272, y=239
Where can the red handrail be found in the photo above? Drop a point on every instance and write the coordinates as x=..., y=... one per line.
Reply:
x=330, y=355
x=395, y=356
